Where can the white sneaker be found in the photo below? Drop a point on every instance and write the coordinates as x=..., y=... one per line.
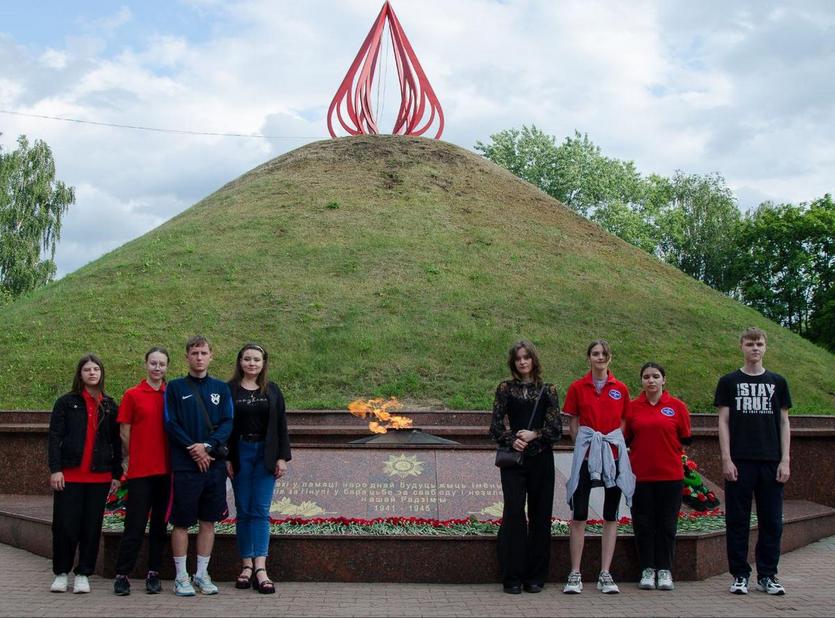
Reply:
x=574, y=585
x=647, y=580
x=739, y=585
x=665, y=580
x=606, y=584
x=204, y=584
x=183, y=587
x=771, y=585
x=59, y=584
x=81, y=585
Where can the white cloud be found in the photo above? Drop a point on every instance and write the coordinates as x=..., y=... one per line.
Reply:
x=99, y=222
x=108, y=24
x=54, y=59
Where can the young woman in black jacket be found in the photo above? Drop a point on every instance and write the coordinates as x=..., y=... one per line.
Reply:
x=259, y=449
x=85, y=463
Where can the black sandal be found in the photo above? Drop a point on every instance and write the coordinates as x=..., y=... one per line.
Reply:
x=243, y=582
x=263, y=587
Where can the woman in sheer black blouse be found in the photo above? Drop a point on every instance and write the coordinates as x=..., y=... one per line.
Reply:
x=524, y=544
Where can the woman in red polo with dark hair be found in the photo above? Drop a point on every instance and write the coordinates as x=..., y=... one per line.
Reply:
x=596, y=405
x=656, y=426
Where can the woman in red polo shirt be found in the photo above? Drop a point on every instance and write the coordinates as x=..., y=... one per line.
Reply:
x=148, y=472
x=656, y=427
x=85, y=463
x=595, y=404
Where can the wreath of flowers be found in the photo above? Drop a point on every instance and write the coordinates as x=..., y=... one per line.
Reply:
x=117, y=499
x=695, y=494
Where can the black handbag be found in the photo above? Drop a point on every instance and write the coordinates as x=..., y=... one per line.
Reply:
x=507, y=456
x=221, y=451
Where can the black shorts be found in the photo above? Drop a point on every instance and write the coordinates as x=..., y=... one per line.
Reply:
x=580, y=503
x=198, y=496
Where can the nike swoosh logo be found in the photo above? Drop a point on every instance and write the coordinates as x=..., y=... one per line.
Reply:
x=187, y=396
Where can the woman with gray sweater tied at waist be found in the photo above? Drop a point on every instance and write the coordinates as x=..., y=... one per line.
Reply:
x=596, y=405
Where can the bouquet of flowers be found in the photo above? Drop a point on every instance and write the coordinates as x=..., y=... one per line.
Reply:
x=695, y=494
x=117, y=499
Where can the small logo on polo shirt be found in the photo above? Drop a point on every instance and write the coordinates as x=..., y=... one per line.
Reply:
x=668, y=412
x=215, y=398
x=615, y=395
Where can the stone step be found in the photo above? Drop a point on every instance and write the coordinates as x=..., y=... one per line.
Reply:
x=25, y=523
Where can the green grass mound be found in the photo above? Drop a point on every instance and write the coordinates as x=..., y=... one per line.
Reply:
x=383, y=265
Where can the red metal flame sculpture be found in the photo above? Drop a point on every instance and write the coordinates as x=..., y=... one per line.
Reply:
x=352, y=104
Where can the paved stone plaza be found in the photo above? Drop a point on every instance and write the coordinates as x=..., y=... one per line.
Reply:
x=807, y=573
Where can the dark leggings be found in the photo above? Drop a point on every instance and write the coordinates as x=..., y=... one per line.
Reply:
x=580, y=500
x=145, y=494
x=655, y=508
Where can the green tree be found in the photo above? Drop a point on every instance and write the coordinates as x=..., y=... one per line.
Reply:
x=789, y=266
x=575, y=172
x=606, y=190
x=699, y=222
x=32, y=202
x=821, y=227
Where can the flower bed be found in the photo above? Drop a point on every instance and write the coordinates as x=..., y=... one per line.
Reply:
x=707, y=521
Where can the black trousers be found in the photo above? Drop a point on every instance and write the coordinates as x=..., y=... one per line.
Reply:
x=757, y=479
x=145, y=494
x=524, y=543
x=655, y=508
x=77, y=514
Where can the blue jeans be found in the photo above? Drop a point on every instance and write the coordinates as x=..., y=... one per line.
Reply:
x=253, y=487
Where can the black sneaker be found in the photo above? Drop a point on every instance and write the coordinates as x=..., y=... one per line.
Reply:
x=770, y=585
x=152, y=583
x=739, y=585
x=121, y=586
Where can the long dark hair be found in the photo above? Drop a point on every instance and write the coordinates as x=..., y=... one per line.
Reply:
x=78, y=383
x=238, y=375
x=536, y=369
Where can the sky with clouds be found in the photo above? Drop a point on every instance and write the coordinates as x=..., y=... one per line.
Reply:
x=744, y=88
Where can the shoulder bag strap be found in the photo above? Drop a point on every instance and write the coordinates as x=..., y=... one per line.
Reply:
x=535, y=406
x=202, y=403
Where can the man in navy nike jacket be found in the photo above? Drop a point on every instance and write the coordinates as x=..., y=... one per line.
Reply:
x=198, y=420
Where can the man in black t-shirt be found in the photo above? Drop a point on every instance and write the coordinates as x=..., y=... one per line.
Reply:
x=754, y=437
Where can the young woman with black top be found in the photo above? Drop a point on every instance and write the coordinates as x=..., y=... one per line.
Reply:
x=259, y=450
x=85, y=463
x=524, y=544
x=655, y=428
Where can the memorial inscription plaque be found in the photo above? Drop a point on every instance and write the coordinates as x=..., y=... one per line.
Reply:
x=428, y=483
